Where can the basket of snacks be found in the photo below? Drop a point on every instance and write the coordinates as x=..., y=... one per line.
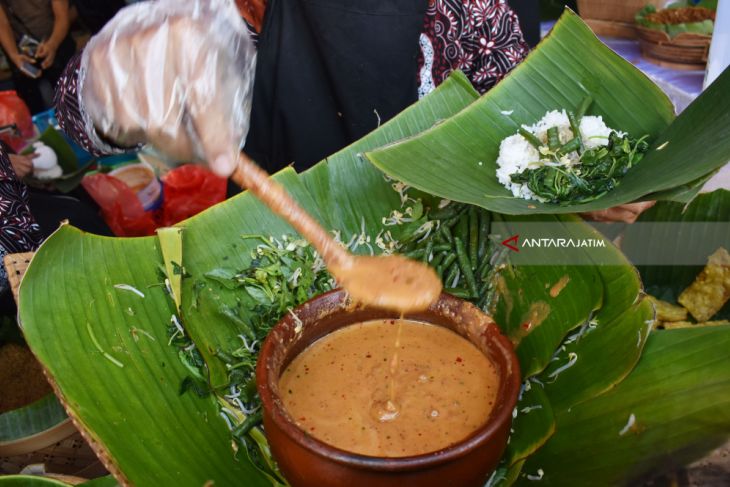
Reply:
x=613, y=18
x=677, y=37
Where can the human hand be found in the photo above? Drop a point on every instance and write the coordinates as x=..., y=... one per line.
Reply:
x=182, y=80
x=22, y=165
x=623, y=213
x=47, y=53
x=19, y=58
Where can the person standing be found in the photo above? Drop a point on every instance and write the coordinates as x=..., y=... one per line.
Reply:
x=44, y=21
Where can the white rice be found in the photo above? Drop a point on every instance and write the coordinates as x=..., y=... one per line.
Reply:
x=516, y=154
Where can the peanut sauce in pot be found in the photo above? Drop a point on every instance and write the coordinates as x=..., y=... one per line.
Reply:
x=353, y=390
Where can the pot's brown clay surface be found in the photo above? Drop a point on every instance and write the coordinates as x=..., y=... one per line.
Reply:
x=306, y=461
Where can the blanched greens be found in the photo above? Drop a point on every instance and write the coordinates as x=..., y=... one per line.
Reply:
x=599, y=171
x=282, y=274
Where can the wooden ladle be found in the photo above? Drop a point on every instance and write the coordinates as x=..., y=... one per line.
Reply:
x=393, y=281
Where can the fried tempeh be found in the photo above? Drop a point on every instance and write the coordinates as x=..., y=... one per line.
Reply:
x=711, y=289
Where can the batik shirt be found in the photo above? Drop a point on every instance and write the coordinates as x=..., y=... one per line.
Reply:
x=18, y=230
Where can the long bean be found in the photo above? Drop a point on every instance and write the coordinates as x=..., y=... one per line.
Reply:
x=452, y=276
x=583, y=107
x=573, y=144
x=429, y=249
x=485, y=220
x=473, y=236
x=530, y=137
x=553, y=138
x=446, y=232
x=248, y=423
x=483, y=268
x=459, y=292
x=461, y=231
x=483, y=294
x=483, y=288
x=463, y=260
x=575, y=127
x=450, y=222
x=449, y=211
x=446, y=264
x=437, y=260
x=416, y=254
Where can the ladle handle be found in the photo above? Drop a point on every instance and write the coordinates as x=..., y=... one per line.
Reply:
x=250, y=176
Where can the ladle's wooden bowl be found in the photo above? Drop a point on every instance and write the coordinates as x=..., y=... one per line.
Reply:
x=307, y=461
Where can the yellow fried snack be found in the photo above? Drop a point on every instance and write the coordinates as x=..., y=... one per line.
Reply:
x=686, y=324
x=667, y=311
x=711, y=290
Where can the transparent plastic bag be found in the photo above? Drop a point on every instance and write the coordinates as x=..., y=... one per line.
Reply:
x=177, y=75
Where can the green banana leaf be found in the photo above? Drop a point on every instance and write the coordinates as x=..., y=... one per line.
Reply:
x=30, y=481
x=677, y=395
x=535, y=321
x=107, y=481
x=533, y=424
x=106, y=347
x=109, y=357
x=39, y=481
x=599, y=344
x=703, y=214
x=109, y=360
x=604, y=357
x=29, y=420
x=558, y=75
x=73, y=172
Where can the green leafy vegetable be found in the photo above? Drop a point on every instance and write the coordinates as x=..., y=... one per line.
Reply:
x=598, y=171
x=281, y=274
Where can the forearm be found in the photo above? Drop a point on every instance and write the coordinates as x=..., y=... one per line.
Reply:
x=7, y=39
x=61, y=22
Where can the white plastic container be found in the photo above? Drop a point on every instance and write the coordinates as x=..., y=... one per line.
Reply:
x=143, y=181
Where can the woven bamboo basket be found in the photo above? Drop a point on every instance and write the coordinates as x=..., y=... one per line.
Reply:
x=684, y=51
x=60, y=450
x=59, y=447
x=613, y=18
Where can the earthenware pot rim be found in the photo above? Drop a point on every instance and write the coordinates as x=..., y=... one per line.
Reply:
x=501, y=414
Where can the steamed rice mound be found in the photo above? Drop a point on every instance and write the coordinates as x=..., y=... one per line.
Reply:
x=516, y=154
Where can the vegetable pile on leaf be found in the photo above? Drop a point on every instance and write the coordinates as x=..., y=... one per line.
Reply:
x=675, y=21
x=567, y=157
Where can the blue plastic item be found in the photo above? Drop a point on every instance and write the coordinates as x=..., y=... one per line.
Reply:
x=48, y=118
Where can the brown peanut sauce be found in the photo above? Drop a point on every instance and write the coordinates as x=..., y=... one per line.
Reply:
x=352, y=390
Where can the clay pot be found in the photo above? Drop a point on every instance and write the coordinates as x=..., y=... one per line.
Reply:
x=306, y=461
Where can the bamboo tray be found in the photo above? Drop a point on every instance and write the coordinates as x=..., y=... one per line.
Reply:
x=684, y=51
x=60, y=448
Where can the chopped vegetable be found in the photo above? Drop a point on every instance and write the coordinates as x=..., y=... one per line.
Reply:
x=567, y=158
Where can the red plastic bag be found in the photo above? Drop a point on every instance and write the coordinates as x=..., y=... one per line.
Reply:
x=121, y=208
x=188, y=190
x=13, y=110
